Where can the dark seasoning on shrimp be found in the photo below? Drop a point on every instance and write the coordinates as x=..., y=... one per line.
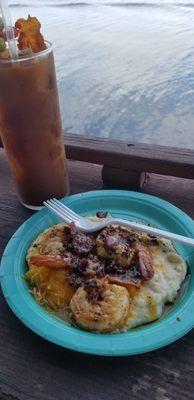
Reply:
x=98, y=281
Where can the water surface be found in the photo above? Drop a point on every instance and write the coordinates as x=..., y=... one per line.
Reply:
x=125, y=68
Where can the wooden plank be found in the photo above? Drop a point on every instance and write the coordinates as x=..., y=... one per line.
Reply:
x=33, y=369
x=173, y=161
x=163, y=160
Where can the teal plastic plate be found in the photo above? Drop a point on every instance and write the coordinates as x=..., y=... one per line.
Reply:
x=123, y=204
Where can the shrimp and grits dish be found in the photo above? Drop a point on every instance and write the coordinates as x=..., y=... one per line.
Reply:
x=110, y=281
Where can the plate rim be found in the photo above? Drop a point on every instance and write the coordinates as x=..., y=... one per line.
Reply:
x=179, y=327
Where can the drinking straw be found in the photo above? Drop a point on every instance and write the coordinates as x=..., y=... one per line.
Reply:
x=8, y=29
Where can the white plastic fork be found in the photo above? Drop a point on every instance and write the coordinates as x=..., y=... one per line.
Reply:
x=86, y=225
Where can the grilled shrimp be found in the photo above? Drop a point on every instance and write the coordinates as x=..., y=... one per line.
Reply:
x=52, y=261
x=115, y=242
x=145, y=261
x=100, y=307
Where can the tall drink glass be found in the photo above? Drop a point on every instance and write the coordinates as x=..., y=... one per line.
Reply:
x=30, y=127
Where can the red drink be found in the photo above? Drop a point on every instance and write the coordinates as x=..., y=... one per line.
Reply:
x=30, y=127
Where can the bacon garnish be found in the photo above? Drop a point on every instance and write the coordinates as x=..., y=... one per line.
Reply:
x=29, y=35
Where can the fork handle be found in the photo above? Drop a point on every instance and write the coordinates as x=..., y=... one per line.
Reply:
x=155, y=231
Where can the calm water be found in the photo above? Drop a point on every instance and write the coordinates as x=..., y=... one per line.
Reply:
x=125, y=68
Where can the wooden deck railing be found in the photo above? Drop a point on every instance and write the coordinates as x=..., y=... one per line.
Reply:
x=126, y=161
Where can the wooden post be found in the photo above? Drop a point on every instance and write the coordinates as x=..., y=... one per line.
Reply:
x=129, y=179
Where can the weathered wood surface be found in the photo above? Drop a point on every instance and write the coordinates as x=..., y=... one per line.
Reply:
x=132, y=156
x=33, y=369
